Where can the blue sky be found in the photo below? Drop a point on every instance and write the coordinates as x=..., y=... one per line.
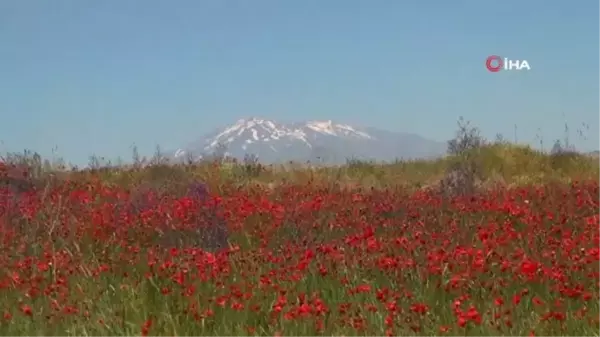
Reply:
x=87, y=77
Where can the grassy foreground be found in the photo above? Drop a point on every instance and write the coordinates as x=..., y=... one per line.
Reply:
x=356, y=250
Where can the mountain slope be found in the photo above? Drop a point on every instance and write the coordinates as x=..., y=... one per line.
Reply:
x=324, y=141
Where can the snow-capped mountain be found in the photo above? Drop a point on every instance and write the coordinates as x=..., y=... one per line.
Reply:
x=325, y=141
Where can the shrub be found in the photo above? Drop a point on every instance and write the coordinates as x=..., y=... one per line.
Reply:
x=463, y=175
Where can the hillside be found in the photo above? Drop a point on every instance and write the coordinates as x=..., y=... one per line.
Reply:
x=505, y=164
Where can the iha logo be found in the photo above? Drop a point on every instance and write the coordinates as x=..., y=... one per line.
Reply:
x=496, y=63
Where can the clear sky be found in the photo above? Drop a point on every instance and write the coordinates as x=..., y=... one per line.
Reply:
x=89, y=77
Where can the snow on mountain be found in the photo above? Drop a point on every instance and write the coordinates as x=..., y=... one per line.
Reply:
x=313, y=140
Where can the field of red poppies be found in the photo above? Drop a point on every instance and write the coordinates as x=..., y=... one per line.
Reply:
x=300, y=259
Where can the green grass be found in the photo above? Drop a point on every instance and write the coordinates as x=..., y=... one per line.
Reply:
x=507, y=164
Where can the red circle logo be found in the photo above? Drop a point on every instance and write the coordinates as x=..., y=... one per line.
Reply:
x=494, y=63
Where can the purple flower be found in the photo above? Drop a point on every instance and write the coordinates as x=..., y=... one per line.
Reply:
x=198, y=190
x=215, y=233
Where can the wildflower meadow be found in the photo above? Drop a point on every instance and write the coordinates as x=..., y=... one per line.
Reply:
x=365, y=249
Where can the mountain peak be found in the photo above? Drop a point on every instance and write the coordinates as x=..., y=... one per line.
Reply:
x=257, y=120
x=275, y=141
x=334, y=129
